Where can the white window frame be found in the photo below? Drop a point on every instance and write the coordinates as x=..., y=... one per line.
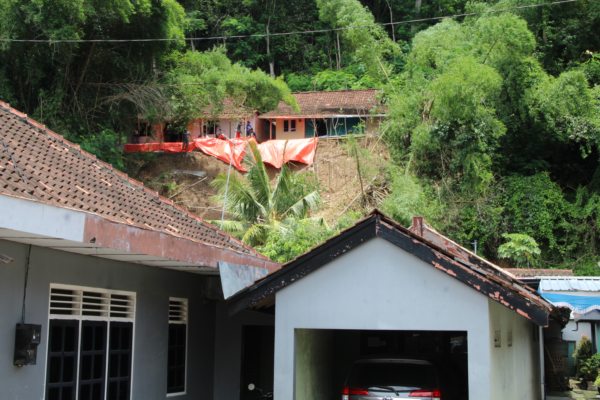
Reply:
x=187, y=328
x=80, y=318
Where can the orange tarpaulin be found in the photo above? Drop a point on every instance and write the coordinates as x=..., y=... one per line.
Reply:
x=279, y=152
x=232, y=150
x=166, y=147
x=273, y=152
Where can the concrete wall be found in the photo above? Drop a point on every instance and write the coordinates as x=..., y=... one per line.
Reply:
x=298, y=134
x=515, y=366
x=153, y=287
x=575, y=331
x=313, y=348
x=379, y=286
x=228, y=349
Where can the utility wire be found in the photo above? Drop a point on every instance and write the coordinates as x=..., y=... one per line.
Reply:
x=25, y=282
x=261, y=35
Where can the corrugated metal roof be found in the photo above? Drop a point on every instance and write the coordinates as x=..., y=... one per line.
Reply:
x=571, y=284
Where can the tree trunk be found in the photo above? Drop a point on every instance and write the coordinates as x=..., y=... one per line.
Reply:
x=338, y=54
x=418, y=6
x=269, y=57
x=392, y=19
x=268, y=39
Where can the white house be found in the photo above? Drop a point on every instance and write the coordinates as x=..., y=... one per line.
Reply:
x=381, y=289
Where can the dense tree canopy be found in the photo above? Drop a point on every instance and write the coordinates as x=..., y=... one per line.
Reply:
x=494, y=118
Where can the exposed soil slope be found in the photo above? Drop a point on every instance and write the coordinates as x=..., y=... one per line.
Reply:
x=185, y=178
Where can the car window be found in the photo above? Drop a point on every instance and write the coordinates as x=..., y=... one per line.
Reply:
x=392, y=374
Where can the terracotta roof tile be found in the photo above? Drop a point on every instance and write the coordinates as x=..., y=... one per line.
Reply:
x=323, y=104
x=38, y=164
x=535, y=272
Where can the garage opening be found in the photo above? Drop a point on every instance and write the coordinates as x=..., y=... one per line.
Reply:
x=324, y=357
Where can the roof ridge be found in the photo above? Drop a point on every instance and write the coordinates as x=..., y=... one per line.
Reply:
x=338, y=91
x=6, y=107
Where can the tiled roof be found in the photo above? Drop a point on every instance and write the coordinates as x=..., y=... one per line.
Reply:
x=40, y=165
x=421, y=241
x=534, y=272
x=323, y=104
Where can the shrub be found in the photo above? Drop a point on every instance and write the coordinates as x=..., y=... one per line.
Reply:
x=588, y=370
x=582, y=354
x=520, y=248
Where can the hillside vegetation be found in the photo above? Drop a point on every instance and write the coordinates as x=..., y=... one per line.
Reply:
x=494, y=116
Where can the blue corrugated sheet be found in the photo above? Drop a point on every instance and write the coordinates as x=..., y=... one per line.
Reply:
x=571, y=284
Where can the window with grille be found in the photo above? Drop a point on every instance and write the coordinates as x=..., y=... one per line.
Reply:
x=176, y=368
x=90, y=343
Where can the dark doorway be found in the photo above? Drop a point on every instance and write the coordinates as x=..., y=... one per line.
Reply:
x=324, y=357
x=320, y=127
x=258, y=346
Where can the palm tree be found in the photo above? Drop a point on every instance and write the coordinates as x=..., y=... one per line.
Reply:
x=257, y=206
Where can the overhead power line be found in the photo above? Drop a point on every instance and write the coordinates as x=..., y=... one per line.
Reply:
x=275, y=34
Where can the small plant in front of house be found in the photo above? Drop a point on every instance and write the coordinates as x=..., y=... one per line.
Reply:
x=597, y=381
x=589, y=368
x=582, y=354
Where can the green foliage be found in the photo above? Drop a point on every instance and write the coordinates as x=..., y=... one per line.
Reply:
x=473, y=99
x=586, y=362
x=197, y=80
x=409, y=197
x=259, y=207
x=534, y=205
x=520, y=248
x=588, y=371
x=293, y=238
x=106, y=145
x=67, y=85
x=583, y=352
x=365, y=41
x=344, y=79
x=299, y=82
x=585, y=267
x=591, y=68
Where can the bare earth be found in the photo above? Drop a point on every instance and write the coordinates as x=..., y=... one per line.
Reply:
x=185, y=178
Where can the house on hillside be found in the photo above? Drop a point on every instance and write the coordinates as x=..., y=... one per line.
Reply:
x=211, y=124
x=332, y=113
x=378, y=289
x=109, y=291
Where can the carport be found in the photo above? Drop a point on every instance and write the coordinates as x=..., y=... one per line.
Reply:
x=323, y=357
x=381, y=290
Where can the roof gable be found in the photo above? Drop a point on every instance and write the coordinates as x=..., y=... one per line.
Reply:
x=498, y=286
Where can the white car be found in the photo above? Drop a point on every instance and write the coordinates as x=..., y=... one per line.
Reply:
x=391, y=379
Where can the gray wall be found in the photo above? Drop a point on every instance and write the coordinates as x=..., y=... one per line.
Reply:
x=513, y=363
x=228, y=349
x=153, y=287
x=313, y=348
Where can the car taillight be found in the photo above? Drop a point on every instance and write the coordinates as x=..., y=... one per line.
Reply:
x=349, y=391
x=435, y=394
